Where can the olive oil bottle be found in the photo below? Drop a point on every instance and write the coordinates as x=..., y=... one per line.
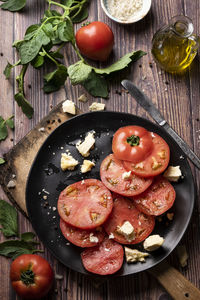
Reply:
x=174, y=46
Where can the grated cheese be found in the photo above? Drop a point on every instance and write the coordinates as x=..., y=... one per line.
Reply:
x=124, y=10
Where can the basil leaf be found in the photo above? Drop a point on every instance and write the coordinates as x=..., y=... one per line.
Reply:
x=10, y=122
x=29, y=49
x=79, y=15
x=54, y=80
x=28, y=237
x=79, y=72
x=7, y=70
x=96, y=85
x=3, y=129
x=30, y=31
x=13, y=5
x=2, y=161
x=24, y=104
x=38, y=61
x=66, y=31
x=8, y=219
x=122, y=63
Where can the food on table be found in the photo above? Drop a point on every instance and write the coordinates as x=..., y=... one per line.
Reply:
x=132, y=143
x=134, y=255
x=173, y=173
x=117, y=179
x=80, y=237
x=125, y=210
x=85, y=204
x=103, y=259
x=95, y=40
x=31, y=276
x=157, y=199
x=124, y=10
x=155, y=163
x=69, y=107
x=87, y=166
x=85, y=147
x=83, y=98
x=153, y=242
x=68, y=162
x=95, y=106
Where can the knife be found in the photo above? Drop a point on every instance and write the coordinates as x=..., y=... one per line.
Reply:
x=146, y=103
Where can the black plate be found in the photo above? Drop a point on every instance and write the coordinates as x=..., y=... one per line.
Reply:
x=46, y=176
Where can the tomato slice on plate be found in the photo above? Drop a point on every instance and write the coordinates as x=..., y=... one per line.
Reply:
x=125, y=210
x=132, y=143
x=85, y=204
x=155, y=163
x=157, y=199
x=104, y=259
x=80, y=237
x=115, y=177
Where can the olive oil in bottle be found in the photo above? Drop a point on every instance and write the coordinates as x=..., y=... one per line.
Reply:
x=174, y=46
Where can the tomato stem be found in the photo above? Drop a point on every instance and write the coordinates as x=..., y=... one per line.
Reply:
x=133, y=140
x=27, y=277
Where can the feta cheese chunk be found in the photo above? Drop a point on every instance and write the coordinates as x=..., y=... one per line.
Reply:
x=133, y=255
x=173, y=173
x=95, y=106
x=127, y=231
x=87, y=165
x=153, y=242
x=126, y=175
x=86, y=145
x=69, y=107
x=68, y=162
x=82, y=98
x=93, y=239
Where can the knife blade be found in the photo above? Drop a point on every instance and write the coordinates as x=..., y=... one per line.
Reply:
x=147, y=104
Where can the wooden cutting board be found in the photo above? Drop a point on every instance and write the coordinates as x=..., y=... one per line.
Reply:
x=19, y=159
x=18, y=162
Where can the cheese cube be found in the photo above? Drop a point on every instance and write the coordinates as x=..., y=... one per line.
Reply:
x=126, y=175
x=69, y=107
x=173, y=173
x=87, y=165
x=95, y=106
x=68, y=162
x=127, y=230
x=153, y=242
x=86, y=145
x=133, y=255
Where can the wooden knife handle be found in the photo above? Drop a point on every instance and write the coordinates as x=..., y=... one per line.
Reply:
x=174, y=282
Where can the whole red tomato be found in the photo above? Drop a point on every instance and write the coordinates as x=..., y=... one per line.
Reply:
x=132, y=143
x=95, y=40
x=31, y=276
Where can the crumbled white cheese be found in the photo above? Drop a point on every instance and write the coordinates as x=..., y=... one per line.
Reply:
x=126, y=175
x=86, y=145
x=87, y=165
x=68, y=162
x=41, y=129
x=133, y=255
x=124, y=10
x=95, y=106
x=11, y=184
x=93, y=239
x=82, y=98
x=153, y=242
x=127, y=230
x=111, y=236
x=173, y=173
x=69, y=107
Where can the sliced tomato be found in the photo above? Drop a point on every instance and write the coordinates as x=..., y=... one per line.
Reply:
x=132, y=143
x=124, y=210
x=80, y=237
x=157, y=199
x=113, y=175
x=104, y=259
x=155, y=163
x=85, y=204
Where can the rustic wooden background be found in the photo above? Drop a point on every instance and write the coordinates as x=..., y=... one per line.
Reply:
x=177, y=97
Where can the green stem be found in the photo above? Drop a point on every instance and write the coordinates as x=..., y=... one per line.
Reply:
x=20, y=78
x=50, y=57
x=60, y=47
x=77, y=52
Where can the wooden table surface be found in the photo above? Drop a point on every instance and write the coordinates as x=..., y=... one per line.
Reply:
x=177, y=97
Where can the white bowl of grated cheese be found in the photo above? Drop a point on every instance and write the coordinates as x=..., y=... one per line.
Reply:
x=126, y=11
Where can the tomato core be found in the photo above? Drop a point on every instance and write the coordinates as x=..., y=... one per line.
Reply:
x=27, y=277
x=133, y=140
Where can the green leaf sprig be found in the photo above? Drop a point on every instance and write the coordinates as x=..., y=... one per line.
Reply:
x=42, y=43
x=13, y=5
x=3, y=127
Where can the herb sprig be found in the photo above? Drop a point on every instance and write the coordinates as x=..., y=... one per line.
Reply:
x=43, y=42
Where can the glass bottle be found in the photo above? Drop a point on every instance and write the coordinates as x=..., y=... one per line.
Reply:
x=174, y=46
